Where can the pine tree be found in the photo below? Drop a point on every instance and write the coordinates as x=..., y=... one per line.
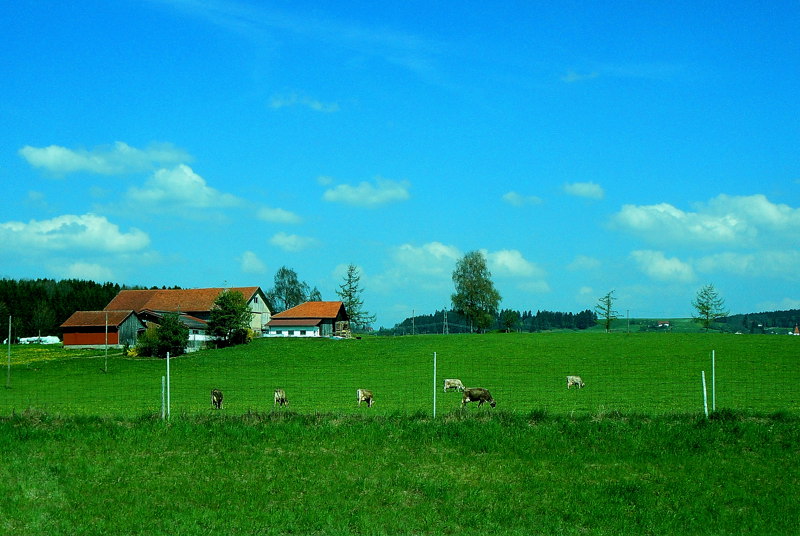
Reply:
x=350, y=294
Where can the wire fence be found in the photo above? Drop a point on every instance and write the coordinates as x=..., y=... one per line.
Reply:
x=654, y=374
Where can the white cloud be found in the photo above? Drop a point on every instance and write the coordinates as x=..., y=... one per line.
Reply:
x=251, y=264
x=510, y=263
x=115, y=160
x=85, y=232
x=725, y=220
x=433, y=259
x=292, y=242
x=90, y=271
x=657, y=266
x=368, y=194
x=182, y=187
x=293, y=99
x=278, y=215
x=781, y=264
x=519, y=200
x=588, y=190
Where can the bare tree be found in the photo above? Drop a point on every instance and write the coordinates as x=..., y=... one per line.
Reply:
x=605, y=310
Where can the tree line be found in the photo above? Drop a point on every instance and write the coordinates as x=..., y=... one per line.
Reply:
x=40, y=306
x=452, y=321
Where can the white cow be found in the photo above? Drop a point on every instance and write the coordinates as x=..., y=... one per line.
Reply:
x=365, y=395
x=574, y=380
x=453, y=383
x=280, y=398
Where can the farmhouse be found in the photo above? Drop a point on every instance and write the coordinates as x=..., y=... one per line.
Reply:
x=194, y=304
x=91, y=329
x=311, y=319
x=149, y=306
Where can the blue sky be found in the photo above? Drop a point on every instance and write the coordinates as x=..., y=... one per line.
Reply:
x=646, y=148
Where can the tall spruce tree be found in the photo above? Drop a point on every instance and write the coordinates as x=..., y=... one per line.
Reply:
x=350, y=294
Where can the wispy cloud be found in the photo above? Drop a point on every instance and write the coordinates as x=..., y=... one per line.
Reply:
x=411, y=52
x=252, y=264
x=293, y=242
x=519, y=200
x=117, y=159
x=294, y=99
x=278, y=215
x=369, y=194
x=589, y=190
x=87, y=232
x=571, y=77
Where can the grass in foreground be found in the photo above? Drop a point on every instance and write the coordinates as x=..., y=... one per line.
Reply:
x=487, y=473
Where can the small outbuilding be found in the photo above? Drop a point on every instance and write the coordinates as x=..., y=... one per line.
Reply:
x=310, y=319
x=95, y=329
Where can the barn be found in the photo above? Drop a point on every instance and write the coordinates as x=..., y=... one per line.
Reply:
x=310, y=319
x=86, y=328
x=94, y=329
x=194, y=303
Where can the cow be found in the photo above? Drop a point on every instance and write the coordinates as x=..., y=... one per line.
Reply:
x=365, y=395
x=574, y=380
x=453, y=384
x=479, y=395
x=216, y=398
x=280, y=397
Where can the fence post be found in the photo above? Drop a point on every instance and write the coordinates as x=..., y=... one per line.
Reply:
x=705, y=395
x=163, y=405
x=168, y=401
x=434, y=385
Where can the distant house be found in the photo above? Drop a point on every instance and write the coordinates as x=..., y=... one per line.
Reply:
x=663, y=323
x=194, y=303
x=94, y=329
x=149, y=306
x=310, y=319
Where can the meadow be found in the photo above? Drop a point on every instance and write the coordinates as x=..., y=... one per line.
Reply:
x=85, y=451
x=650, y=373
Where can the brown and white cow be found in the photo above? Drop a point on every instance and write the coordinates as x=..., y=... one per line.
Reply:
x=574, y=380
x=479, y=395
x=365, y=395
x=216, y=398
x=453, y=383
x=280, y=398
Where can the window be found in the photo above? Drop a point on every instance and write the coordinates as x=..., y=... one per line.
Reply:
x=302, y=332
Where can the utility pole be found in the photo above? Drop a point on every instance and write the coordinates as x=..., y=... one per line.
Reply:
x=445, y=328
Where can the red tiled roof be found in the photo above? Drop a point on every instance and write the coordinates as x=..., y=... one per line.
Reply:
x=194, y=299
x=96, y=318
x=314, y=309
x=294, y=322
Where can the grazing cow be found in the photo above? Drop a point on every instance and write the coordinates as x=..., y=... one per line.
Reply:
x=453, y=384
x=280, y=397
x=216, y=398
x=365, y=395
x=479, y=395
x=574, y=380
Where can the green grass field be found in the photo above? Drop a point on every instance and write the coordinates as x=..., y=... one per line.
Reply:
x=649, y=373
x=83, y=451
